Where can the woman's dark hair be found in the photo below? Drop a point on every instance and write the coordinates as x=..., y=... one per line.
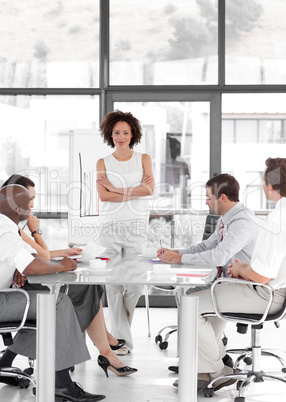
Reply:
x=18, y=179
x=175, y=148
x=109, y=121
x=275, y=174
x=224, y=184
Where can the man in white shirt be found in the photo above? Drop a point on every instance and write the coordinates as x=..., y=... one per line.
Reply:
x=267, y=266
x=15, y=254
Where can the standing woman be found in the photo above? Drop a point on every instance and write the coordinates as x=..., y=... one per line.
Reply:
x=124, y=181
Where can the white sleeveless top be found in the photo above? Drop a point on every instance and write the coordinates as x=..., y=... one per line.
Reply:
x=124, y=174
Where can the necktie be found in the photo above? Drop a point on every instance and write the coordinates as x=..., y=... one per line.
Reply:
x=221, y=226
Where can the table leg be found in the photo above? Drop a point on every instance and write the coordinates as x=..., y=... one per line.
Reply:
x=147, y=309
x=172, y=232
x=188, y=349
x=46, y=334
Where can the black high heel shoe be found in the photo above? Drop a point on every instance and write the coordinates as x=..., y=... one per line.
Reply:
x=121, y=342
x=104, y=363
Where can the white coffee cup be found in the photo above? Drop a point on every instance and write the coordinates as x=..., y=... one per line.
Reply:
x=150, y=252
x=162, y=269
x=97, y=264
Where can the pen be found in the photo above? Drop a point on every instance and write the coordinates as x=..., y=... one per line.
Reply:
x=161, y=246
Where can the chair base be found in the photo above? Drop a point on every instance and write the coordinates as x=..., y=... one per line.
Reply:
x=246, y=357
x=163, y=344
x=244, y=379
x=14, y=372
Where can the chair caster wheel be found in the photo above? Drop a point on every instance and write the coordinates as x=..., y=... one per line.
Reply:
x=248, y=361
x=284, y=370
x=34, y=391
x=239, y=384
x=163, y=345
x=239, y=399
x=208, y=392
x=24, y=384
x=158, y=338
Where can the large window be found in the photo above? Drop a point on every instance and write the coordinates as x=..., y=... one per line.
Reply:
x=255, y=42
x=253, y=129
x=49, y=44
x=163, y=42
x=206, y=79
x=177, y=137
x=35, y=141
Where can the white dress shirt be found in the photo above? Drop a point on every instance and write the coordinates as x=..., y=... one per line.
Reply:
x=269, y=256
x=14, y=252
x=239, y=237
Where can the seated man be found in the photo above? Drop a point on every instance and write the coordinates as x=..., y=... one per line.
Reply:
x=234, y=237
x=16, y=254
x=235, y=234
x=267, y=266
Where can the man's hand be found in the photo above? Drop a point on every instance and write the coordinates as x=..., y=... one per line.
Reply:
x=67, y=265
x=19, y=280
x=159, y=252
x=170, y=257
x=234, y=270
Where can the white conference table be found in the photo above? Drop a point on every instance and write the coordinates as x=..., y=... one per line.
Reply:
x=118, y=271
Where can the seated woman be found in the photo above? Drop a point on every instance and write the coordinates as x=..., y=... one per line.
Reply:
x=97, y=331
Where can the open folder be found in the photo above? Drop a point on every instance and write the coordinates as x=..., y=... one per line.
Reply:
x=199, y=272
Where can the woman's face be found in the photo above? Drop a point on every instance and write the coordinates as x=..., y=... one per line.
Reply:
x=32, y=193
x=121, y=135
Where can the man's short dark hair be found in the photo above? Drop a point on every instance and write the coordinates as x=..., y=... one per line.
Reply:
x=18, y=179
x=224, y=184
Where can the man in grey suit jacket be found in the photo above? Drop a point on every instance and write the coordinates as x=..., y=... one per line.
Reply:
x=235, y=234
x=234, y=237
x=16, y=254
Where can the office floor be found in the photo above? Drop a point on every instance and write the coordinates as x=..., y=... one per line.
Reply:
x=153, y=382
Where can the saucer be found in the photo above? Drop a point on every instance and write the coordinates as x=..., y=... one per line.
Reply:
x=153, y=275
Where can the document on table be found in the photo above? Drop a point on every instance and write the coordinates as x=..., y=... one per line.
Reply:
x=199, y=272
x=73, y=257
x=154, y=260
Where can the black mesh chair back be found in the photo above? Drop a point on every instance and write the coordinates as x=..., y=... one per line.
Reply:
x=210, y=225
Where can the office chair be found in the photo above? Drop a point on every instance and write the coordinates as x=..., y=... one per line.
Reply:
x=256, y=321
x=6, y=329
x=209, y=228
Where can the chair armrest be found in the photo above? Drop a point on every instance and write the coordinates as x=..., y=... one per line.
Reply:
x=238, y=318
x=26, y=295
